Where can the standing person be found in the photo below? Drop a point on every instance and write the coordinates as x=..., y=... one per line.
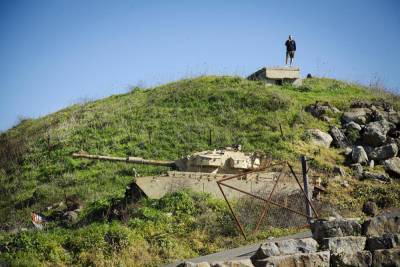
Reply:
x=290, y=49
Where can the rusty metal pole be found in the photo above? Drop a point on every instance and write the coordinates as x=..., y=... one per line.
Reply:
x=305, y=182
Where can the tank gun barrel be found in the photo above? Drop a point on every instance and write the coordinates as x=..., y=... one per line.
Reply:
x=137, y=160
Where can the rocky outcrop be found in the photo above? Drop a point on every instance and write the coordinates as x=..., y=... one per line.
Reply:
x=392, y=166
x=386, y=257
x=285, y=247
x=340, y=245
x=384, y=152
x=319, y=137
x=375, y=132
x=351, y=259
x=321, y=110
x=344, y=244
x=314, y=259
x=322, y=229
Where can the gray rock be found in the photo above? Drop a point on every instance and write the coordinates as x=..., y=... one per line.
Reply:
x=370, y=208
x=375, y=132
x=351, y=259
x=384, y=223
x=347, y=151
x=385, y=241
x=334, y=228
x=314, y=259
x=353, y=126
x=71, y=216
x=358, y=115
x=384, y=152
x=267, y=250
x=320, y=110
x=394, y=117
x=359, y=155
x=386, y=258
x=376, y=176
x=338, y=138
x=320, y=138
x=284, y=247
x=337, y=170
x=371, y=164
x=392, y=166
x=344, y=183
x=344, y=243
x=358, y=169
x=231, y=263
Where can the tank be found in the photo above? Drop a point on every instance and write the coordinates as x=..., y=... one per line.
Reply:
x=200, y=171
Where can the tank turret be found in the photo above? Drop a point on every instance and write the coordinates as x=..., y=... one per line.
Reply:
x=228, y=160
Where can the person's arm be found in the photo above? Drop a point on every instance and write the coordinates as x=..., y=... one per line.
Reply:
x=294, y=45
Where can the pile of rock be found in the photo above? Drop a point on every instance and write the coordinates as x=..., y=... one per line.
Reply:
x=369, y=133
x=322, y=110
x=338, y=242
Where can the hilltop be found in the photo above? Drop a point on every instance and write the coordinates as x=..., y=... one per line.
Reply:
x=165, y=122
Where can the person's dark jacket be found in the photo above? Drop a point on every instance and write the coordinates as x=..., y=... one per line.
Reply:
x=290, y=45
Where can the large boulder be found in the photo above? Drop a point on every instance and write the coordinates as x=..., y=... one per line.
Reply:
x=386, y=258
x=284, y=247
x=351, y=259
x=353, y=126
x=385, y=241
x=392, y=166
x=358, y=115
x=344, y=244
x=375, y=132
x=322, y=229
x=319, y=137
x=358, y=155
x=313, y=259
x=384, y=223
x=338, y=137
x=384, y=152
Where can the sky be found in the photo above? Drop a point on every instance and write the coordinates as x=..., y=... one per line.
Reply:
x=54, y=53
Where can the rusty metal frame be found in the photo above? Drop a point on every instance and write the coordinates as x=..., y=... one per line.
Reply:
x=268, y=200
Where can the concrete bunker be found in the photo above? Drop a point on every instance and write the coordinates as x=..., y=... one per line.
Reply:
x=277, y=76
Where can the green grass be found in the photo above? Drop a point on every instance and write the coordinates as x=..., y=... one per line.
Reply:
x=166, y=122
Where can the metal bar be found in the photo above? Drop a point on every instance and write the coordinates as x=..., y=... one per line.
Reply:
x=305, y=183
x=270, y=201
x=137, y=160
x=266, y=203
x=233, y=214
x=297, y=180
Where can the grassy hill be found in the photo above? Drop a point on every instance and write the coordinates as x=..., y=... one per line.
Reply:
x=166, y=122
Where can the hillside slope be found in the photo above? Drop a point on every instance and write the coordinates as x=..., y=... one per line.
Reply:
x=166, y=122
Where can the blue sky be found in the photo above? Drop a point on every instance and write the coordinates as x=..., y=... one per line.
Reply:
x=57, y=52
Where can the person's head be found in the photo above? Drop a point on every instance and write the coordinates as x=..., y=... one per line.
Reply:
x=290, y=37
